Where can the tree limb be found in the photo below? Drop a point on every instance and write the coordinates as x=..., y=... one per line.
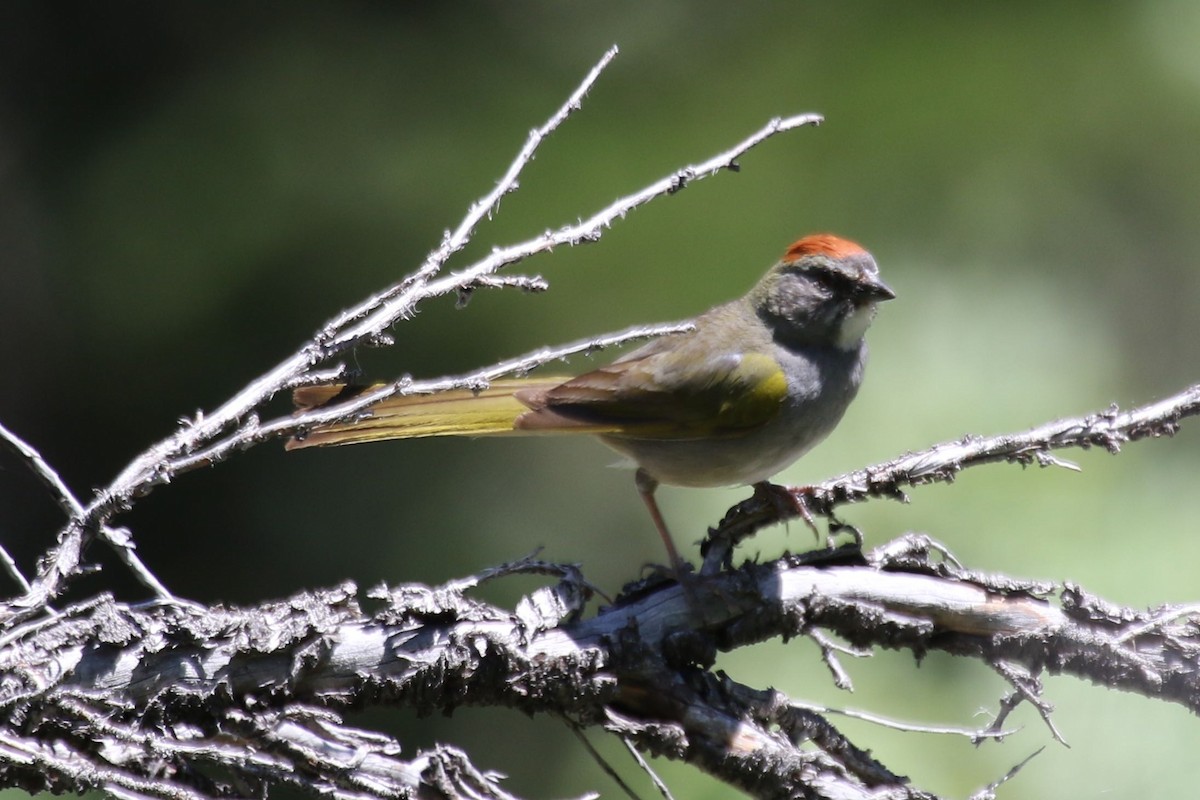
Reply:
x=223, y=695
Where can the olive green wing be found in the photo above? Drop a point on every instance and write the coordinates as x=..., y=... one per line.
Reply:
x=672, y=393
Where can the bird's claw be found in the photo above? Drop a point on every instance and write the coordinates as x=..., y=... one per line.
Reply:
x=788, y=502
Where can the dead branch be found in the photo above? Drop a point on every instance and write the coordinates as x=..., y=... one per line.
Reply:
x=236, y=425
x=164, y=700
x=941, y=463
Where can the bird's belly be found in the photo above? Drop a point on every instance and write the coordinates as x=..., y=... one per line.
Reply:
x=730, y=460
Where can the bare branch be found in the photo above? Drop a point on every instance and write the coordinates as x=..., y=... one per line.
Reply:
x=483, y=208
x=989, y=791
x=974, y=734
x=645, y=767
x=1161, y=622
x=1028, y=689
x=48, y=476
x=259, y=674
x=148, y=469
x=941, y=463
x=66, y=500
x=10, y=566
x=235, y=424
x=335, y=337
x=841, y=678
x=607, y=768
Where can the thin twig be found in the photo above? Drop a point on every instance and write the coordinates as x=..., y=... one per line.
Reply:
x=69, y=503
x=908, y=727
x=841, y=678
x=589, y=229
x=121, y=541
x=1109, y=429
x=658, y=782
x=45, y=473
x=14, y=572
x=602, y=762
x=1026, y=687
x=1159, y=621
x=481, y=209
x=989, y=792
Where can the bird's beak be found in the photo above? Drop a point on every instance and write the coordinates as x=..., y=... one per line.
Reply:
x=873, y=290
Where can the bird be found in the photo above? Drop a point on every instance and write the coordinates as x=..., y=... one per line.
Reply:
x=750, y=388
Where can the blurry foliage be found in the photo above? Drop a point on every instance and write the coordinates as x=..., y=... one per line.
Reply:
x=188, y=190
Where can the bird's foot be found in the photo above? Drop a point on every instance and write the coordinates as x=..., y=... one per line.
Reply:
x=788, y=502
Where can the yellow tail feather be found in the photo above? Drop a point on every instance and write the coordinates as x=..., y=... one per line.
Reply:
x=490, y=412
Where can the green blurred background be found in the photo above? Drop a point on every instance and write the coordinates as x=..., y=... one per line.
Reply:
x=188, y=190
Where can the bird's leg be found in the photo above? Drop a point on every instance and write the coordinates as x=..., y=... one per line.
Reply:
x=786, y=502
x=646, y=485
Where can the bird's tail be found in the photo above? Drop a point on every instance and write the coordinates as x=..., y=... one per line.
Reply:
x=489, y=412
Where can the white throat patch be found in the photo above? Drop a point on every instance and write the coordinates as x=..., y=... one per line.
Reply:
x=854, y=326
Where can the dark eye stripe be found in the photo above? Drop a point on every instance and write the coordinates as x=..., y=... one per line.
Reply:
x=834, y=280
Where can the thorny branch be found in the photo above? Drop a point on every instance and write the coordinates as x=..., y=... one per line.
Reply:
x=941, y=463
x=175, y=700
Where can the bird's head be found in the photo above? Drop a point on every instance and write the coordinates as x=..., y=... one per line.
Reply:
x=823, y=291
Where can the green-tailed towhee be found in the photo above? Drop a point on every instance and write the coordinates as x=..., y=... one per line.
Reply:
x=754, y=386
